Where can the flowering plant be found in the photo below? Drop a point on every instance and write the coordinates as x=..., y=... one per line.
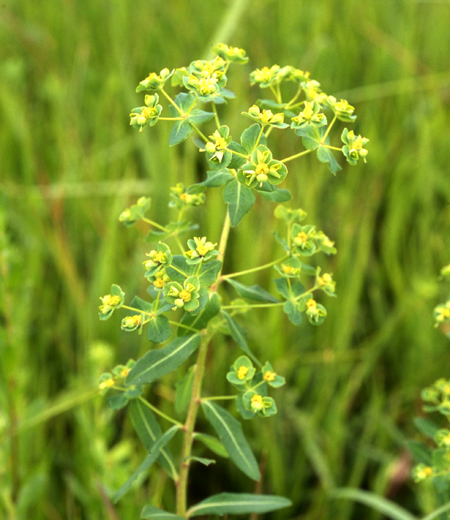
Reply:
x=186, y=305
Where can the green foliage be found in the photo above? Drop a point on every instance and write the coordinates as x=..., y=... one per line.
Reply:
x=190, y=282
x=70, y=165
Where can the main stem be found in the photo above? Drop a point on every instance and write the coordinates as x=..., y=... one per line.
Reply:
x=188, y=428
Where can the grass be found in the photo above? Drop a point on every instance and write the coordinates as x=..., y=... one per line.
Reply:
x=70, y=164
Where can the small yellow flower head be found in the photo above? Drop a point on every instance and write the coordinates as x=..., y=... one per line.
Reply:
x=311, y=305
x=256, y=402
x=301, y=238
x=124, y=372
x=269, y=376
x=106, y=384
x=185, y=295
x=445, y=272
x=110, y=301
x=132, y=322
x=422, y=472
x=442, y=313
x=242, y=372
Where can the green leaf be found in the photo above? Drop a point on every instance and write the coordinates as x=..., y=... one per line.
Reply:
x=252, y=292
x=437, y=512
x=420, y=452
x=426, y=426
x=279, y=195
x=230, y=433
x=183, y=391
x=240, y=200
x=141, y=304
x=212, y=443
x=157, y=363
x=149, y=431
x=237, y=161
x=147, y=462
x=180, y=131
x=158, y=329
x=325, y=155
x=376, y=502
x=205, y=462
x=201, y=320
x=154, y=513
x=185, y=101
x=239, y=335
x=309, y=137
x=179, y=262
x=249, y=138
x=216, y=179
x=116, y=402
x=238, y=504
x=198, y=117
x=209, y=271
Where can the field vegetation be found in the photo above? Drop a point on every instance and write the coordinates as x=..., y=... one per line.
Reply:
x=70, y=164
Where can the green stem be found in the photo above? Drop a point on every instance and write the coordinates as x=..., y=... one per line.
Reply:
x=223, y=241
x=295, y=156
x=171, y=119
x=259, y=137
x=139, y=311
x=237, y=153
x=332, y=147
x=330, y=126
x=265, y=266
x=220, y=397
x=155, y=224
x=157, y=411
x=252, y=306
x=216, y=115
x=183, y=326
x=294, y=99
x=188, y=429
x=200, y=133
x=172, y=102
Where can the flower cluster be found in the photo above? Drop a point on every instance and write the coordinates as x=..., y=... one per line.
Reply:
x=136, y=212
x=146, y=115
x=183, y=197
x=111, y=302
x=118, y=375
x=200, y=250
x=252, y=385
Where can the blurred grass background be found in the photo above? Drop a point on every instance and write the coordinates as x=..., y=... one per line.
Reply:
x=70, y=164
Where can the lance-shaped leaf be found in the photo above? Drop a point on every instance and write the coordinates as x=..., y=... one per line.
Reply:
x=217, y=178
x=212, y=443
x=240, y=200
x=202, y=460
x=238, y=504
x=201, y=320
x=157, y=363
x=252, y=292
x=149, y=460
x=154, y=513
x=230, y=433
x=158, y=329
x=279, y=195
x=239, y=335
x=183, y=391
x=149, y=431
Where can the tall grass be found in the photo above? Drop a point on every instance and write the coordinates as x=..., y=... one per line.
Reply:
x=70, y=163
